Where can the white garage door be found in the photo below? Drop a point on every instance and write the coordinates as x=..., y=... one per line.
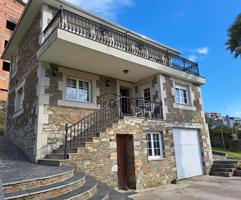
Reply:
x=188, y=153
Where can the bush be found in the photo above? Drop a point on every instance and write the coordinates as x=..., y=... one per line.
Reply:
x=238, y=167
x=1, y=131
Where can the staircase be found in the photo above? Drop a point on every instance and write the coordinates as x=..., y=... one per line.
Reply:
x=67, y=185
x=225, y=168
x=82, y=133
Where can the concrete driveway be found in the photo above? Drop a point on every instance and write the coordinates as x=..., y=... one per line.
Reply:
x=205, y=187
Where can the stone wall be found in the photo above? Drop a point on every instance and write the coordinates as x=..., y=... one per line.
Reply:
x=99, y=158
x=195, y=118
x=52, y=131
x=21, y=129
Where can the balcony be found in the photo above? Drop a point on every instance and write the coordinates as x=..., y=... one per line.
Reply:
x=96, y=33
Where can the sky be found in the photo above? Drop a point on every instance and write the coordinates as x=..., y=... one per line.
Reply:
x=198, y=28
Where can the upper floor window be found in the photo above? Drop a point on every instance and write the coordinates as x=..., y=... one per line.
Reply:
x=154, y=145
x=6, y=66
x=78, y=90
x=182, y=95
x=10, y=25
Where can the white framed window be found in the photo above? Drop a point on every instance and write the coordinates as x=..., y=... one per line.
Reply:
x=154, y=145
x=14, y=65
x=78, y=90
x=19, y=99
x=182, y=94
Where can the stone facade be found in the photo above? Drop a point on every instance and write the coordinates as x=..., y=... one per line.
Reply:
x=21, y=129
x=99, y=158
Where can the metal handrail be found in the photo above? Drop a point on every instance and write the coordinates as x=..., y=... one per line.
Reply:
x=92, y=124
x=123, y=41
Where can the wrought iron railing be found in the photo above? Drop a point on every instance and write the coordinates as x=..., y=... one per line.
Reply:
x=91, y=125
x=123, y=41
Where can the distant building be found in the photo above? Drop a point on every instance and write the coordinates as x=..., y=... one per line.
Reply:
x=219, y=120
x=10, y=12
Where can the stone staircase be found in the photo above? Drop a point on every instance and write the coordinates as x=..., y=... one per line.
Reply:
x=67, y=185
x=225, y=168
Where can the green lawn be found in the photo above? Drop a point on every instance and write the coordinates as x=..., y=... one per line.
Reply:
x=230, y=154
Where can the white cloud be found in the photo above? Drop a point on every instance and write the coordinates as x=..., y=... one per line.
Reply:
x=193, y=58
x=202, y=51
x=106, y=8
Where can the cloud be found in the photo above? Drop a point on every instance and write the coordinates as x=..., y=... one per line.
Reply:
x=193, y=58
x=106, y=8
x=201, y=51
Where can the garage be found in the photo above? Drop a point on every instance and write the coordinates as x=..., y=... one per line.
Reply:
x=188, y=153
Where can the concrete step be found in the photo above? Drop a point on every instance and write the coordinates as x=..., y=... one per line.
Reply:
x=37, y=182
x=61, y=151
x=224, y=174
x=50, y=191
x=223, y=169
x=55, y=156
x=215, y=166
x=53, y=162
x=87, y=191
x=226, y=162
x=237, y=173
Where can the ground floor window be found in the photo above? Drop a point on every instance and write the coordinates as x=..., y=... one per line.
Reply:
x=78, y=90
x=154, y=145
x=19, y=99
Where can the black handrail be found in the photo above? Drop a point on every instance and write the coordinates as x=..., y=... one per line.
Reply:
x=91, y=125
x=123, y=41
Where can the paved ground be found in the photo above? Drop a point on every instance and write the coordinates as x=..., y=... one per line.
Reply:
x=200, y=188
x=14, y=166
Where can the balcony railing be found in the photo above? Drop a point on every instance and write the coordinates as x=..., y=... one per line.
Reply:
x=123, y=41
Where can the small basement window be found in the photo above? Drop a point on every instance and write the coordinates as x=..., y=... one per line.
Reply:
x=10, y=25
x=155, y=146
x=6, y=66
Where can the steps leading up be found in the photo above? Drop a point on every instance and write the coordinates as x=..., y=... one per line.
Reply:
x=26, y=184
x=225, y=168
x=49, y=191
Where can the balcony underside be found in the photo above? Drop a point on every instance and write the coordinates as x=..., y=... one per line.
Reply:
x=71, y=50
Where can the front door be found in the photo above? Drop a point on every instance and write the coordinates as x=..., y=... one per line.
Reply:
x=125, y=161
x=125, y=101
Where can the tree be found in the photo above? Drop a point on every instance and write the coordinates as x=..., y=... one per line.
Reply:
x=234, y=38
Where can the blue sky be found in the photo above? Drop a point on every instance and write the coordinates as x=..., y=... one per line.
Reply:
x=198, y=28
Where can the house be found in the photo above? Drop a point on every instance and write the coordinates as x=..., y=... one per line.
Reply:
x=9, y=15
x=116, y=105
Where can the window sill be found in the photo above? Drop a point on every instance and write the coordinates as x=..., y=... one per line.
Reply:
x=18, y=113
x=184, y=106
x=76, y=104
x=156, y=159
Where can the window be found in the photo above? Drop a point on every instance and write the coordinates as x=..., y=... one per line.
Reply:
x=19, y=99
x=78, y=90
x=154, y=145
x=5, y=43
x=182, y=95
x=6, y=66
x=14, y=65
x=10, y=25
x=147, y=94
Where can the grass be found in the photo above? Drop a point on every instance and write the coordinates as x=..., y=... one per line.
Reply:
x=230, y=154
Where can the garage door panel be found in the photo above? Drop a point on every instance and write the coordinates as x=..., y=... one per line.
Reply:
x=188, y=156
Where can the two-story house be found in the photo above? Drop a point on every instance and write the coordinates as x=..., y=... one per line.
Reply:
x=114, y=104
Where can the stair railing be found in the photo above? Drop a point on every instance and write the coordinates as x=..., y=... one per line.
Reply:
x=91, y=125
